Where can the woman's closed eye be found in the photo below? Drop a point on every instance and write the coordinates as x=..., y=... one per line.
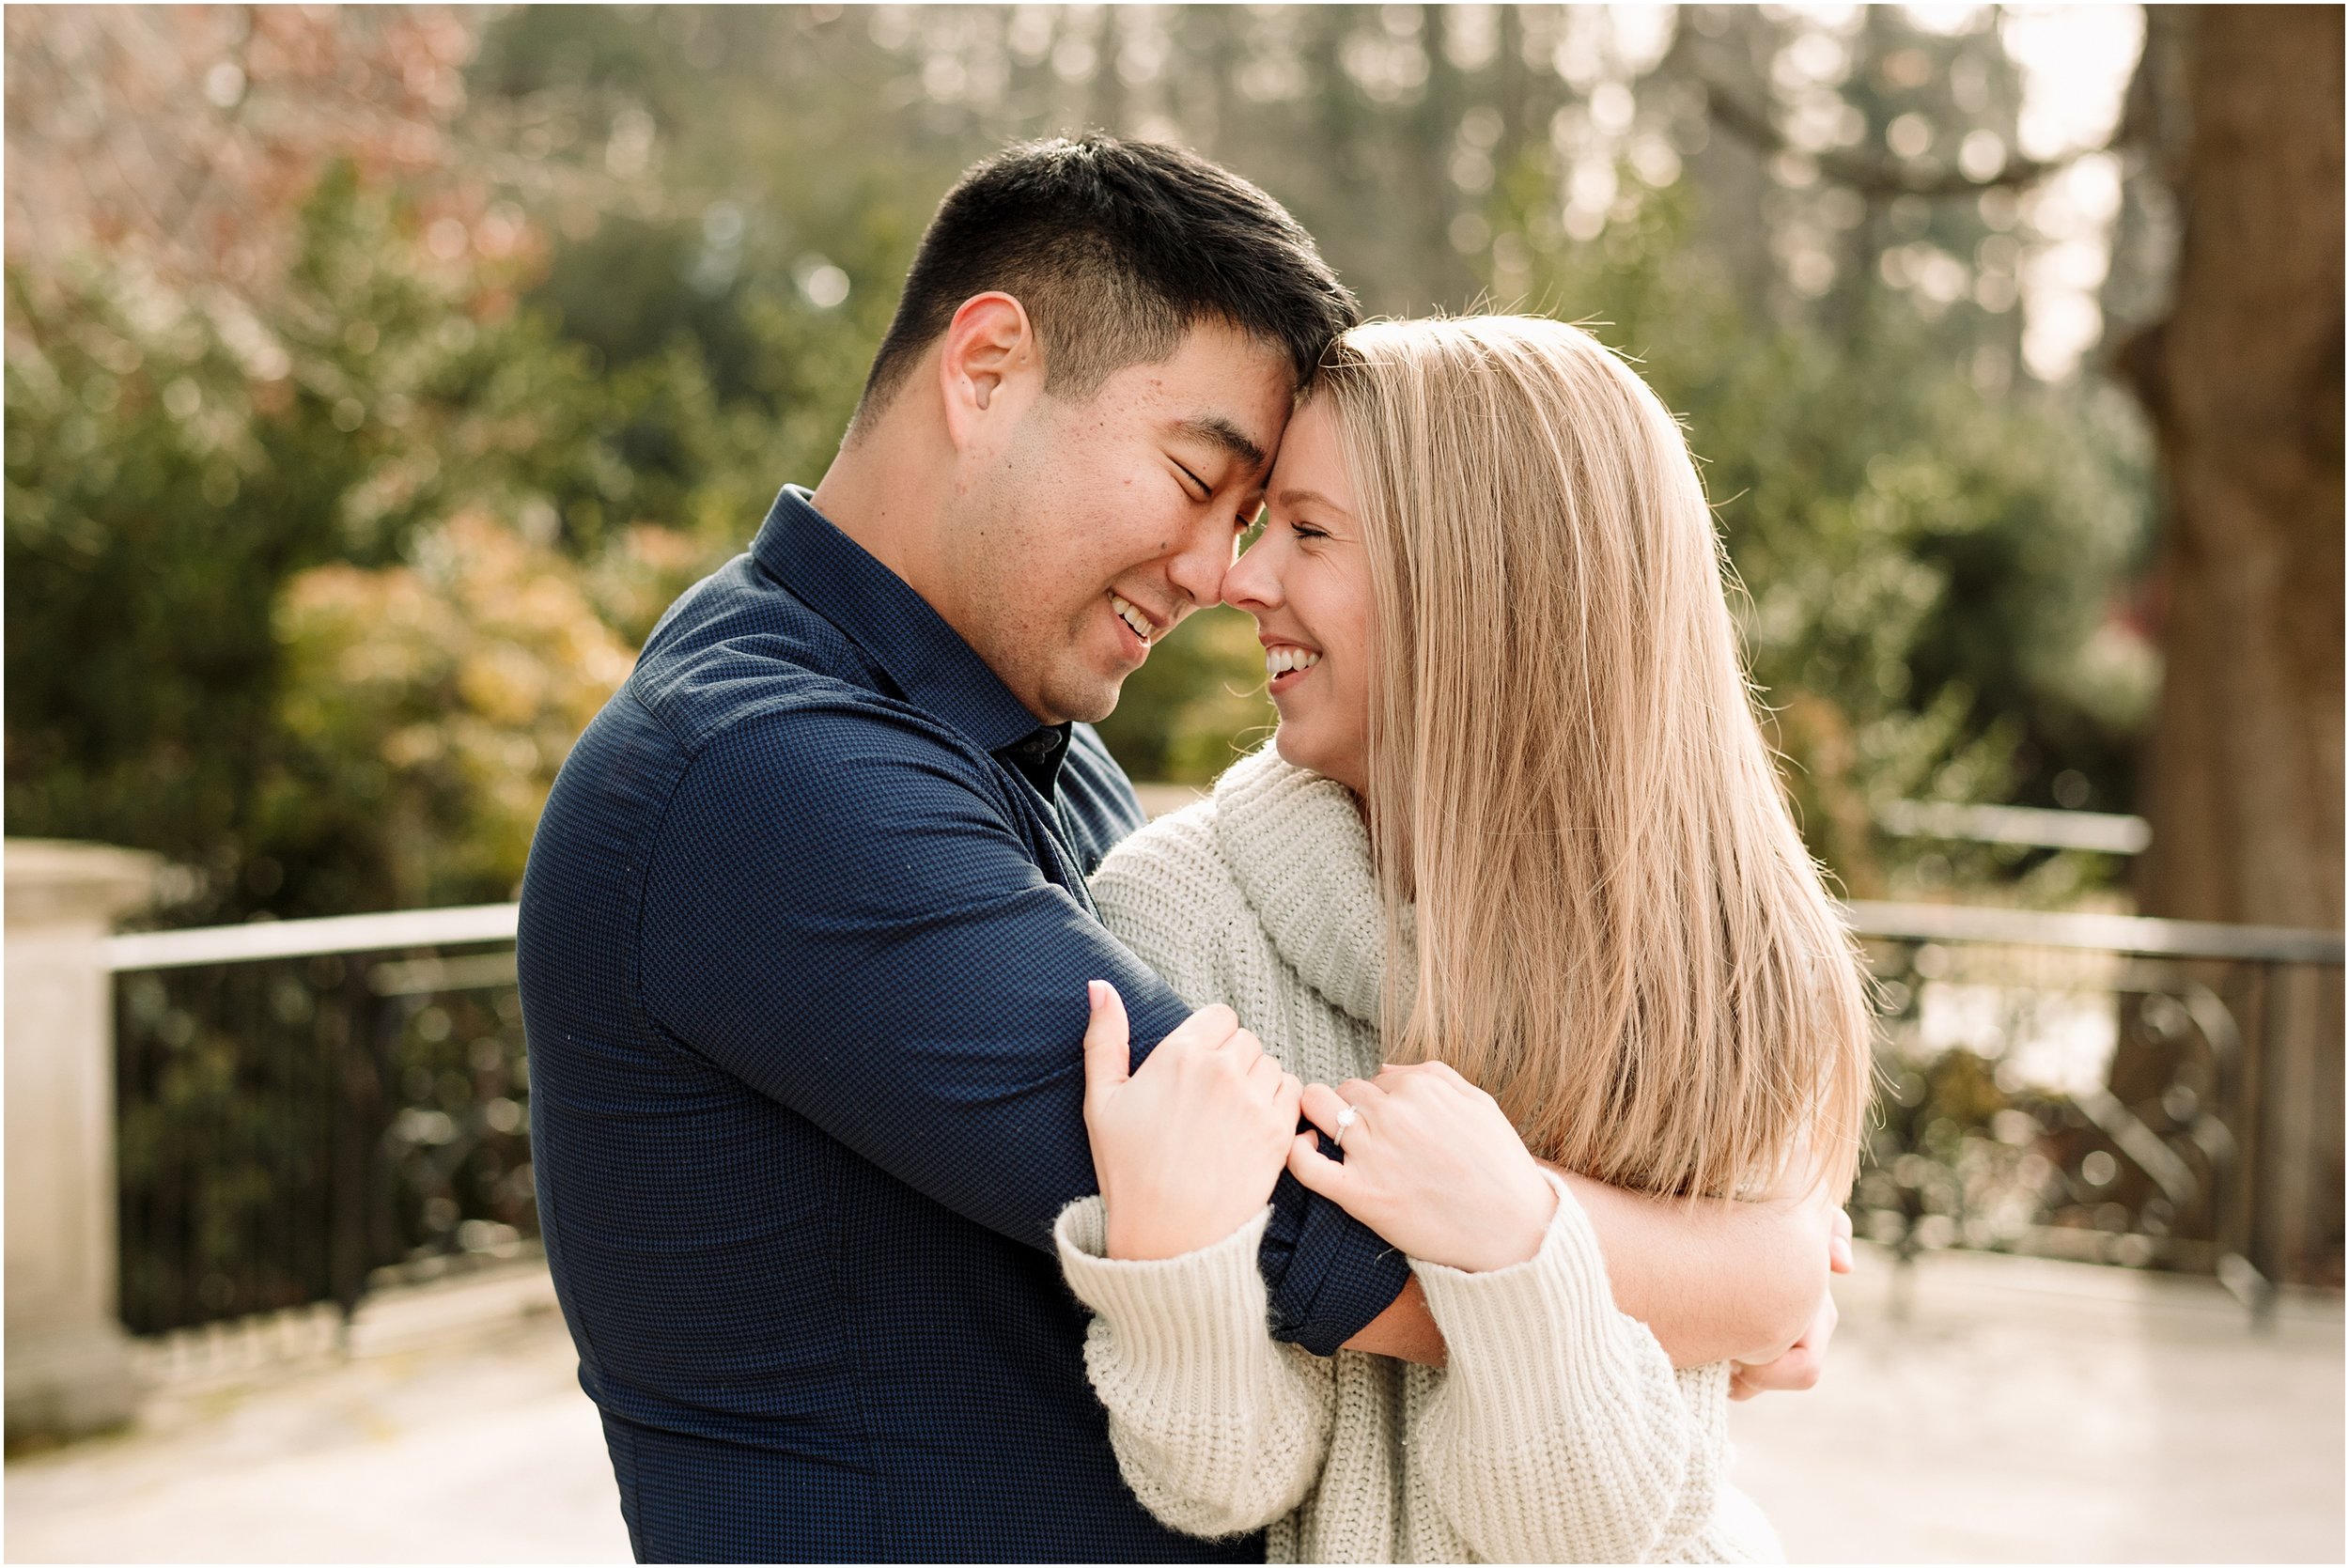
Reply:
x=1307, y=532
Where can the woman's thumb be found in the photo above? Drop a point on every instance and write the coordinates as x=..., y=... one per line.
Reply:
x=1108, y=1046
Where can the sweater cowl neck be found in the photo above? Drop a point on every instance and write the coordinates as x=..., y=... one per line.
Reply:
x=1295, y=843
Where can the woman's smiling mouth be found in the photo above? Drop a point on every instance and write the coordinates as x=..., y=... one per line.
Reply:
x=1285, y=663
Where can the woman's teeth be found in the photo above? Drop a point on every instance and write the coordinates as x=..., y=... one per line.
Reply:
x=1279, y=661
x=1131, y=616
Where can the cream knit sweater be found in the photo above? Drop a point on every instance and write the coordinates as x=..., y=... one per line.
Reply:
x=1558, y=1433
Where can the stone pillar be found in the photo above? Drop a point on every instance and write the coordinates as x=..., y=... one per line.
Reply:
x=68, y=1365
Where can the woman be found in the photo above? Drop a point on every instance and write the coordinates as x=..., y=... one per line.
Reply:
x=1519, y=816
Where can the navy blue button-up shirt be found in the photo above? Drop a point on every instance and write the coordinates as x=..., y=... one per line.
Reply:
x=804, y=940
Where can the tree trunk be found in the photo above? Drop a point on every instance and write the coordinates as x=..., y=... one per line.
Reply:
x=2243, y=384
x=2243, y=381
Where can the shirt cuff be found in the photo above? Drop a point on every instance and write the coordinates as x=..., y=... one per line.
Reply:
x=1328, y=1272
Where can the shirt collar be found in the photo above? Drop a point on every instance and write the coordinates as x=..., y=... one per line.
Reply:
x=930, y=664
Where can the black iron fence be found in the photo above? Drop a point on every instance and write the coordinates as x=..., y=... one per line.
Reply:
x=306, y=1111
x=312, y=1109
x=2149, y=1093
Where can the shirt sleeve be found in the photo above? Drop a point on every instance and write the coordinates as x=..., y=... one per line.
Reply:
x=841, y=911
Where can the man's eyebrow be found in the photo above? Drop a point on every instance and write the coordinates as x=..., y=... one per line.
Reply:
x=1217, y=432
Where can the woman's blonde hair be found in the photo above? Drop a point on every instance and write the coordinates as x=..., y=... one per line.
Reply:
x=1619, y=932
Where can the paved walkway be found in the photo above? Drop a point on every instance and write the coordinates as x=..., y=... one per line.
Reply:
x=455, y=1432
x=2015, y=1411
x=2020, y=1410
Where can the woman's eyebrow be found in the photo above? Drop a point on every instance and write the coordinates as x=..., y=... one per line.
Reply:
x=1219, y=432
x=1308, y=498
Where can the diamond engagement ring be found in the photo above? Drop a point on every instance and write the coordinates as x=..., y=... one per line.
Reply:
x=1347, y=1118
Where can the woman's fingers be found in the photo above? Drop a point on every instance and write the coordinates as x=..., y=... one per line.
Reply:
x=1263, y=1078
x=1322, y=1106
x=1282, y=1095
x=1797, y=1370
x=1423, y=1082
x=1204, y=1030
x=1108, y=1052
x=1791, y=1373
x=1315, y=1171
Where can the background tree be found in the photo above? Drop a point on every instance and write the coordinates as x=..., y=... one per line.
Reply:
x=2238, y=114
x=2242, y=378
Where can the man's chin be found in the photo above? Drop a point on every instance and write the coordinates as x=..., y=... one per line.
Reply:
x=1086, y=700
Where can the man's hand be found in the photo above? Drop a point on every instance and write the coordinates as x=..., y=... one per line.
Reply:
x=1715, y=1278
x=1798, y=1369
x=1186, y=1147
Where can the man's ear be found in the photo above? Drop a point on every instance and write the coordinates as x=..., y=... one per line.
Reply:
x=989, y=365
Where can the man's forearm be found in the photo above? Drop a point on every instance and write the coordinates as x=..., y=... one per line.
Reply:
x=1406, y=1330
x=1714, y=1280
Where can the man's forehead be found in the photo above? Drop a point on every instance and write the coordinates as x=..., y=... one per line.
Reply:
x=1221, y=382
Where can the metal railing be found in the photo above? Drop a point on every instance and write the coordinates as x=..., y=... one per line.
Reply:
x=2025, y=827
x=309, y=1109
x=2107, y=1087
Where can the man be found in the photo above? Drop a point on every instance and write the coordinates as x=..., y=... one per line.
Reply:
x=805, y=936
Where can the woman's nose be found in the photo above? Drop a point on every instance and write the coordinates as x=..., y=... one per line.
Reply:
x=1252, y=583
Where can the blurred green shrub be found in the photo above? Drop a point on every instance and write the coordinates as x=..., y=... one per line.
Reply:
x=430, y=705
x=177, y=457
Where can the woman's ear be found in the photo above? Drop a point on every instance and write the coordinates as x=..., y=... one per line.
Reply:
x=989, y=365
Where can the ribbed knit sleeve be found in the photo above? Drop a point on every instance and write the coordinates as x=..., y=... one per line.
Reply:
x=1166, y=896
x=1217, y=1428
x=1560, y=1433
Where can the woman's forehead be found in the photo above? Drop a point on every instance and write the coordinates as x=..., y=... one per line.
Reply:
x=1310, y=469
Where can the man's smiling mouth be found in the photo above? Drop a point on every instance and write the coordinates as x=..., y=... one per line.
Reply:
x=1133, y=618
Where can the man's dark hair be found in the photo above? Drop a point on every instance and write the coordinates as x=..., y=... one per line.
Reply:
x=1116, y=249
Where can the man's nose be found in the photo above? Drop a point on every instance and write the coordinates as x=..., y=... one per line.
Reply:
x=1199, y=567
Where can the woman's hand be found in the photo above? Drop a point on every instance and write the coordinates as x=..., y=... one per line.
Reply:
x=1185, y=1147
x=1432, y=1164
